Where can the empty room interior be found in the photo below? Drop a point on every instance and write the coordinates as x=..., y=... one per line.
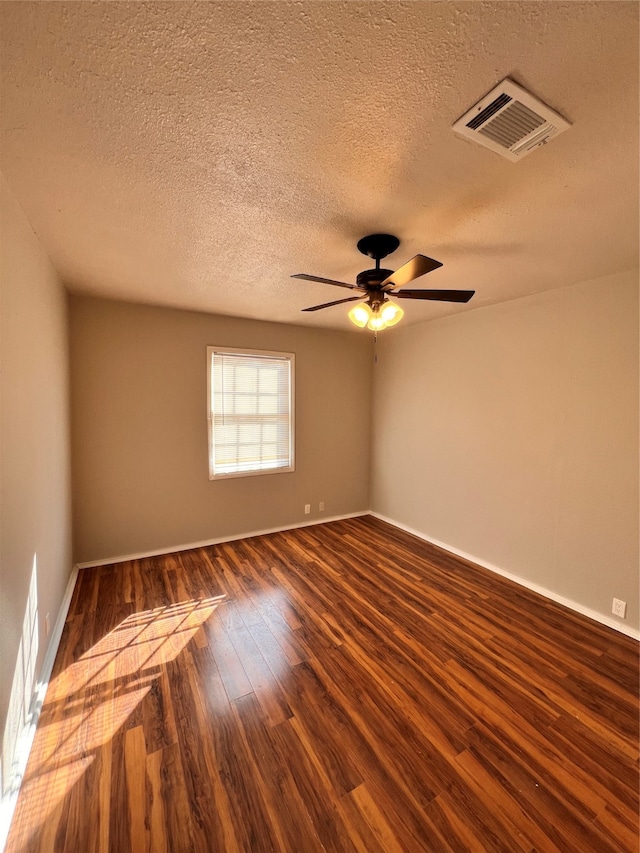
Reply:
x=291, y=569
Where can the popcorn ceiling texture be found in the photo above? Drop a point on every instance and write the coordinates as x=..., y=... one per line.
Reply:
x=197, y=154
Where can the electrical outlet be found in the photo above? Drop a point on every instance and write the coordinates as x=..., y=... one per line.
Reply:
x=321, y=506
x=307, y=509
x=619, y=608
x=47, y=624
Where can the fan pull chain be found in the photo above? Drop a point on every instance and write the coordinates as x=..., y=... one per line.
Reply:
x=375, y=347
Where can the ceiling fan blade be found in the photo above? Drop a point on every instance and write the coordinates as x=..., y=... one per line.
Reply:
x=412, y=269
x=329, y=304
x=325, y=280
x=436, y=295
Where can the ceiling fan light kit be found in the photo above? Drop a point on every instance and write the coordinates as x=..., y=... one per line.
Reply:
x=378, y=318
x=360, y=315
x=391, y=313
x=373, y=287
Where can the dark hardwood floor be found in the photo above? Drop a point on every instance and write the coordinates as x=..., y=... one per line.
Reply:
x=343, y=687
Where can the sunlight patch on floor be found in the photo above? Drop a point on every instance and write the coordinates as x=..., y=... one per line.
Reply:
x=89, y=701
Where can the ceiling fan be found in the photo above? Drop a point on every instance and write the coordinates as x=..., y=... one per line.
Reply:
x=373, y=287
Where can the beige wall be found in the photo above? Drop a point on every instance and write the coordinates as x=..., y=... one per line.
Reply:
x=511, y=434
x=35, y=507
x=140, y=479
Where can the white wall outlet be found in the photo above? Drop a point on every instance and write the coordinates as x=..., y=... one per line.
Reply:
x=307, y=509
x=321, y=506
x=619, y=608
x=47, y=624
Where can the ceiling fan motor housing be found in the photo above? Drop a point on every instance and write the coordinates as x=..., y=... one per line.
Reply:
x=372, y=278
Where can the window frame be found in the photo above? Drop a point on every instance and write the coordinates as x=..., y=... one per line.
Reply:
x=288, y=356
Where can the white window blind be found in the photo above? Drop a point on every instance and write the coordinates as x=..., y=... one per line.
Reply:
x=250, y=412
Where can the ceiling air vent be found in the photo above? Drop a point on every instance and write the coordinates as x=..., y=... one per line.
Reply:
x=510, y=121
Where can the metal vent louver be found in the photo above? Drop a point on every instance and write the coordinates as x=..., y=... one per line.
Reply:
x=510, y=121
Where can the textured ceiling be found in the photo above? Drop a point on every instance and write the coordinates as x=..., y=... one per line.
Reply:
x=197, y=154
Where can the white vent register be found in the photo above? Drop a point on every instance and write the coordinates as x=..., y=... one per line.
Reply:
x=510, y=121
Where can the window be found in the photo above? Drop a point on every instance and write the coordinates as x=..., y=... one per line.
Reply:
x=251, y=412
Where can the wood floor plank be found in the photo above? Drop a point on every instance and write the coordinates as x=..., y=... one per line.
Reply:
x=295, y=795
x=234, y=677
x=158, y=722
x=265, y=687
x=363, y=835
x=343, y=687
x=587, y=786
x=195, y=757
x=486, y=786
x=155, y=812
x=564, y=818
x=599, y=758
x=168, y=811
x=375, y=820
x=135, y=766
x=620, y=827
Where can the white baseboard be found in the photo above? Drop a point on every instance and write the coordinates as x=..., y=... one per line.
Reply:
x=25, y=739
x=107, y=561
x=541, y=590
x=603, y=619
